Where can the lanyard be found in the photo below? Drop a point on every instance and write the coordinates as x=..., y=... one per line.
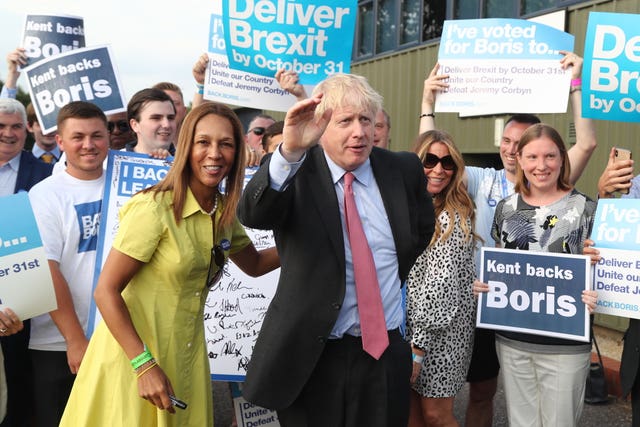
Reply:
x=505, y=185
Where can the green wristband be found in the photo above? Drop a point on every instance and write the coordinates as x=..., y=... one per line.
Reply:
x=141, y=359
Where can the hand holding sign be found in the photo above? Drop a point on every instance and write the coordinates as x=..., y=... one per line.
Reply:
x=10, y=323
x=572, y=60
x=15, y=60
x=535, y=292
x=290, y=81
x=433, y=83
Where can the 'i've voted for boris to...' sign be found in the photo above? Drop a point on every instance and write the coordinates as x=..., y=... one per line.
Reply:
x=534, y=292
x=616, y=233
x=25, y=280
x=503, y=65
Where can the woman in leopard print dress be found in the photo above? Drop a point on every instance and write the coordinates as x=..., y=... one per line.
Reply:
x=440, y=302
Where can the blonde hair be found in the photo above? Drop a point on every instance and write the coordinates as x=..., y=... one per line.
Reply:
x=340, y=90
x=454, y=197
x=177, y=179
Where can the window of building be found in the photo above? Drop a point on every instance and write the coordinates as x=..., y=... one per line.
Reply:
x=409, y=21
x=531, y=6
x=499, y=9
x=388, y=25
x=365, y=29
x=433, y=16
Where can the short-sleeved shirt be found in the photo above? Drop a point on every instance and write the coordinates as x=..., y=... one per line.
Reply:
x=67, y=211
x=486, y=186
x=166, y=300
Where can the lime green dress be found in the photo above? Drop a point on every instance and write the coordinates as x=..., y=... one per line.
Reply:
x=166, y=301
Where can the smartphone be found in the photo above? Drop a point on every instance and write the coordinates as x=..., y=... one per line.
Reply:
x=619, y=155
x=177, y=402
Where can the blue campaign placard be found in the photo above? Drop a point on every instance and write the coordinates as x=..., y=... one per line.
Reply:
x=610, y=89
x=227, y=85
x=127, y=173
x=25, y=279
x=87, y=74
x=502, y=39
x=217, y=44
x=617, y=224
x=314, y=37
x=534, y=292
x=23, y=233
x=49, y=35
x=496, y=66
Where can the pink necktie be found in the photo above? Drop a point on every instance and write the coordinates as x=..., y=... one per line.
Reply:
x=372, y=323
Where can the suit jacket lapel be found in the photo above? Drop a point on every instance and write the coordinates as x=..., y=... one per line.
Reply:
x=24, y=171
x=324, y=195
x=394, y=197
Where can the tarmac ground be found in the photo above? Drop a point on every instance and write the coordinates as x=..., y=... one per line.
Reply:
x=616, y=413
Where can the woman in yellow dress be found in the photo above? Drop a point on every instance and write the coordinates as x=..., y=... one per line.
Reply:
x=173, y=240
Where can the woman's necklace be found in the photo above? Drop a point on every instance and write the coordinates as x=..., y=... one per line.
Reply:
x=215, y=205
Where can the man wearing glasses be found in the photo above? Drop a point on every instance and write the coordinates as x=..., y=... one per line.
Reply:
x=257, y=126
x=120, y=133
x=253, y=142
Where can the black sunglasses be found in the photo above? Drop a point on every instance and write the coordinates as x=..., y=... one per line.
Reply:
x=258, y=130
x=217, y=259
x=431, y=160
x=123, y=126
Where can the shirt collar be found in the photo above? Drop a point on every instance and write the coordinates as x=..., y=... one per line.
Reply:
x=14, y=163
x=191, y=205
x=364, y=173
x=37, y=151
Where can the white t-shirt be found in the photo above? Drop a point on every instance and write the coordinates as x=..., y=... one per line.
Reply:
x=487, y=187
x=67, y=211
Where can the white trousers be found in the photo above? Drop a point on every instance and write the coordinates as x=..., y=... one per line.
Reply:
x=542, y=390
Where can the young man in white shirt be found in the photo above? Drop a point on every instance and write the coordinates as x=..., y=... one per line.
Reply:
x=67, y=209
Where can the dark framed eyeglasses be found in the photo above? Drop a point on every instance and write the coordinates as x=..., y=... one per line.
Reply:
x=217, y=260
x=431, y=160
x=122, y=125
x=258, y=130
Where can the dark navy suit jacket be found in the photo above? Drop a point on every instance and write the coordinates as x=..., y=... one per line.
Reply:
x=305, y=219
x=31, y=171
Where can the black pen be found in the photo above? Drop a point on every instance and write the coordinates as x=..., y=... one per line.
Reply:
x=177, y=402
